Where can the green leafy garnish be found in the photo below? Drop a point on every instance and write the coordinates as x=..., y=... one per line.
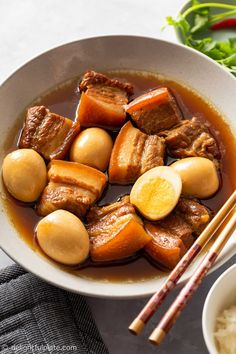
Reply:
x=224, y=52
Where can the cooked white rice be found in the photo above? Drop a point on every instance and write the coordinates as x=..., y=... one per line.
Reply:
x=226, y=331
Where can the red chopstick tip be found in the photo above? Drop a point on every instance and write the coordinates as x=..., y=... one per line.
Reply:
x=157, y=336
x=136, y=326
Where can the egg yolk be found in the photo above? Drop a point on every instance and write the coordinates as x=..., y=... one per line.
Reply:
x=156, y=196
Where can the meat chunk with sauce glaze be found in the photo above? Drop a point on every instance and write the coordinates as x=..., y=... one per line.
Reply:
x=191, y=138
x=102, y=101
x=176, y=225
x=115, y=231
x=155, y=111
x=72, y=186
x=172, y=236
x=48, y=133
x=194, y=213
x=133, y=154
x=165, y=248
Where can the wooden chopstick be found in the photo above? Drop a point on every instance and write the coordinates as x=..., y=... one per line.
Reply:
x=192, y=285
x=154, y=303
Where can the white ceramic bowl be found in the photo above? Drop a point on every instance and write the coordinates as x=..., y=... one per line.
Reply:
x=105, y=53
x=221, y=296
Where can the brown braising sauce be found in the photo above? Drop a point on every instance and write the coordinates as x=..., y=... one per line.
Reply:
x=64, y=100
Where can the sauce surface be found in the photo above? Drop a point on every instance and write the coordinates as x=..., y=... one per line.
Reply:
x=64, y=100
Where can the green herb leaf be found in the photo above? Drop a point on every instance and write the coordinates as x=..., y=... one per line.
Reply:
x=216, y=54
x=229, y=61
x=232, y=42
x=201, y=22
x=201, y=11
x=184, y=24
x=223, y=52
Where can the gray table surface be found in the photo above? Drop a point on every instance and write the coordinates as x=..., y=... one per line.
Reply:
x=29, y=27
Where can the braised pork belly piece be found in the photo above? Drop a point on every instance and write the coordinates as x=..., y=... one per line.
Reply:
x=165, y=249
x=191, y=138
x=172, y=236
x=133, y=154
x=194, y=213
x=155, y=111
x=102, y=101
x=48, y=133
x=176, y=225
x=72, y=186
x=115, y=231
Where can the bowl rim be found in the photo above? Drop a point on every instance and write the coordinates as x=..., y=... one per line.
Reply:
x=206, y=304
x=176, y=44
x=102, y=294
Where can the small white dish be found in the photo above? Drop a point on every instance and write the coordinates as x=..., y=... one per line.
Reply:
x=221, y=296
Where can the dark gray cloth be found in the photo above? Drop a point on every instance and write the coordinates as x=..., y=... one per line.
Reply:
x=36, y=317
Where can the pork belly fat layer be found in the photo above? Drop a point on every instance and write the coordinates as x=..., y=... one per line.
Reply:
x=176, y=225
x=133, y=154
x=115, y=231
x=102, y=101
x=48, y=133
x=72, y=186
x=165, y=248
x=191, y=138
x=187, y=219
x=108, y=220
x=155, y=111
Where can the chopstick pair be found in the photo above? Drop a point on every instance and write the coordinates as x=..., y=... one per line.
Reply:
x=191, y=286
